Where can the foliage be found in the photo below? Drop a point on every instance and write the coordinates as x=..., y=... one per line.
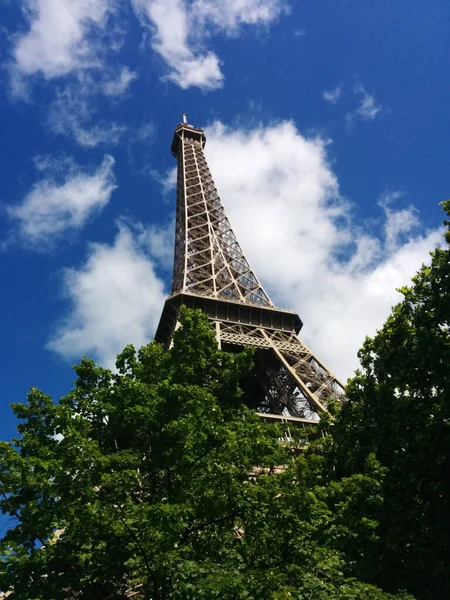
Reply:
x=399, y=410
x=156, y=479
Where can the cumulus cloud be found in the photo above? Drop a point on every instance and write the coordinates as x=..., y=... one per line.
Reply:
x=61, y=36
x=399, y=222
x=302, y=237
x=64, y=199
x=71, y=42
x=158, y=240
x=180, y=29
x=332, y=96
x=116, y=298
x=306, y=243
x=170, y=23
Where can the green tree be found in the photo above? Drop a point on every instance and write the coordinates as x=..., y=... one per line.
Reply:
x=157, y=480
x=399, y=410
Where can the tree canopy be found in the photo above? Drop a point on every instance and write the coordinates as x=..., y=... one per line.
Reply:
x=156, y=482
x=399, y=410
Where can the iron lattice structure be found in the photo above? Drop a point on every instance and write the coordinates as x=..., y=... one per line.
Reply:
x=212, y=273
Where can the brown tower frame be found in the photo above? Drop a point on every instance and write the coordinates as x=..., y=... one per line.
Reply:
x=289, y=382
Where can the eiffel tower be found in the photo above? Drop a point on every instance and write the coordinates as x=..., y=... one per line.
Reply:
x=211, y=273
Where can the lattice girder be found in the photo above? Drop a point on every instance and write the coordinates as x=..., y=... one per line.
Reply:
x=209, y=241
x=315, y=382
x=212, y=273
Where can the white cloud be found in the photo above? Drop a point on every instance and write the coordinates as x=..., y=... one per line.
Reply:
x=229, y=16
x=399, y=222
x=158, y=240
x=72, y=112
x=118, y=86
x=305, y=242
x=62, y=201
x=167, y=181
x=102, y=133
x=300, y=235
x=116, y=299
x=369, y=107
x=367, y=110
x=170, y=23
x=145, y=133
x=19, y=86
x=333, y=95
x=61, y=36
x=72, y=39
x=181, y=27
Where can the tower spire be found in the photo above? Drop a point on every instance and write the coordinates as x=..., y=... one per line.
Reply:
x=211, y=272
x=208, y=258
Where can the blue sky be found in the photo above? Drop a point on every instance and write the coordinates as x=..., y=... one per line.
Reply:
x=326, y=126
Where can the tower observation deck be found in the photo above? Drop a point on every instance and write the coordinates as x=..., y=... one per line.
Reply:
x=211, y=273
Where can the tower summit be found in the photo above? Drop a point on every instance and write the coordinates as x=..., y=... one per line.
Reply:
x=211, y=273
